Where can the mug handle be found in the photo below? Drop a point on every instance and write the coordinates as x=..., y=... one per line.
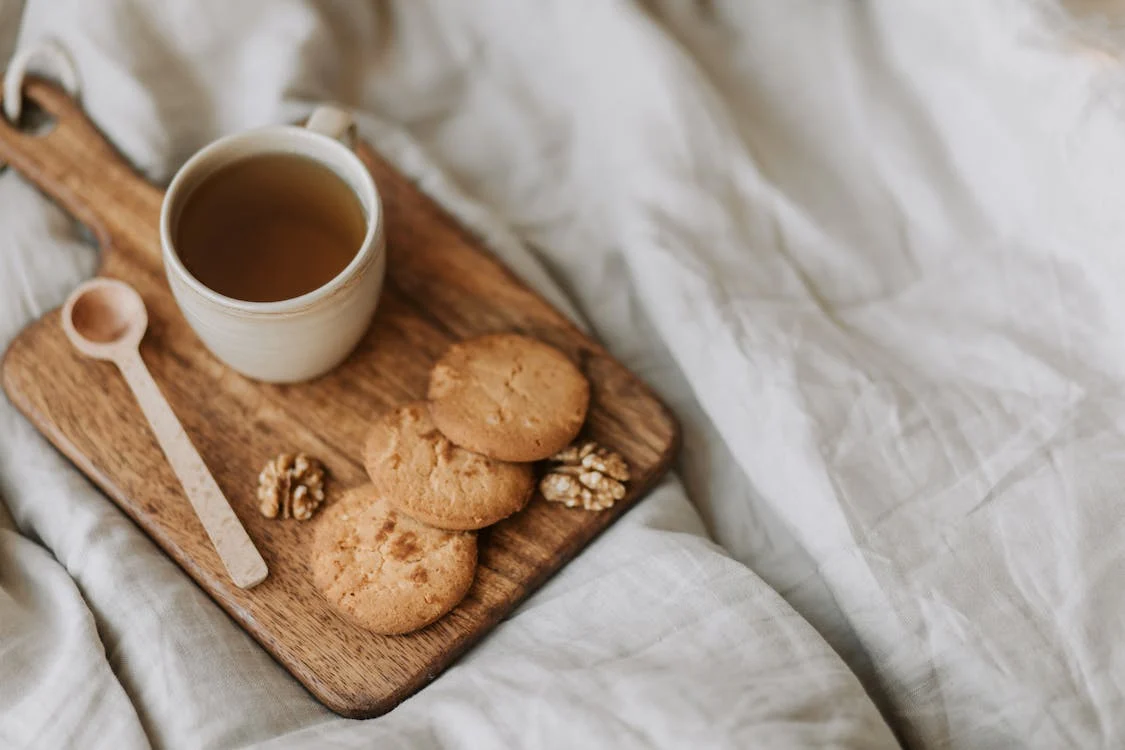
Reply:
x=335, y=123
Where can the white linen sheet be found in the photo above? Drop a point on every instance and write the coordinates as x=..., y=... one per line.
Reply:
x=867, y=250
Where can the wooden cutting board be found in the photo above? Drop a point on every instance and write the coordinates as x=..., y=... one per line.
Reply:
x=441, y=286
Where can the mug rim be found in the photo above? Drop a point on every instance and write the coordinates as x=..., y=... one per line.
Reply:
x=363, y=256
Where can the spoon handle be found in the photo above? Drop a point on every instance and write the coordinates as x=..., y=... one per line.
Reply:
x=242, y=560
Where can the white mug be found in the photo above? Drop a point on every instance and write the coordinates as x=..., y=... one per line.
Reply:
x=303, y=337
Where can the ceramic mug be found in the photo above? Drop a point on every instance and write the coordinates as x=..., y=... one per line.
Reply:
x=303, y=337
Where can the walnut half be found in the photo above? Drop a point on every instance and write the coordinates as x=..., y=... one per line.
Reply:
x=291, y=486
x=585, y=475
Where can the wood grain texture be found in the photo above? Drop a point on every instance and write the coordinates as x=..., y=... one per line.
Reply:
x=441, y=287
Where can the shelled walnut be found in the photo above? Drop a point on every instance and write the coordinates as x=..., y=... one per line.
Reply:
x=585, y=475
x=291, y=486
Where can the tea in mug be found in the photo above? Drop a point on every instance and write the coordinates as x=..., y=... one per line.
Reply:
x=270, y=227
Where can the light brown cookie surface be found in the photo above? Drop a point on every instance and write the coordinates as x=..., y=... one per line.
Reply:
x=421, y=473
x=384, y=570
x=509, y=397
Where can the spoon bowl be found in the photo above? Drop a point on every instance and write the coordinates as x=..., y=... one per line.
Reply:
x=104, y=318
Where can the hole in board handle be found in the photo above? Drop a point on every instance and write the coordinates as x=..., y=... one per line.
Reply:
x=34, y=120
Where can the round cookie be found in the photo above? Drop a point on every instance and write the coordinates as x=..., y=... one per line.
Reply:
x=509, y=397
x=385, y=571
x=422, y=474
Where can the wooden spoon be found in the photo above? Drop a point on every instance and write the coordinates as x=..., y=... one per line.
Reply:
x=106, y=319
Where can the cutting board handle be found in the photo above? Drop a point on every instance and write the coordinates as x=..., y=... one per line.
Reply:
x=74, y=164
